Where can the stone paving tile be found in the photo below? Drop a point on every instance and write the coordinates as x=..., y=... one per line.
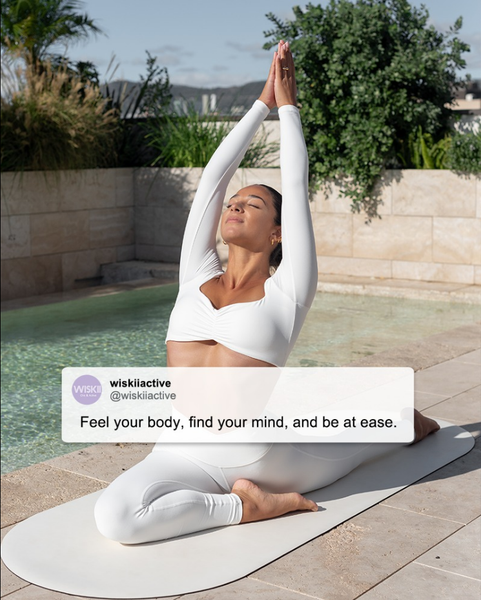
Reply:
x=248, y=589
x=462, y=409
x=32, y=592
x=451, y=492
x=423, y=400
x=102, y=461
x=39, y=487
x=417, y=355
x=473, y=358
x=350, y=559
x=447, y=379
x=417, y=581
x=465, y=338
x=459, y=554
x=428, y=351
x=9, y=582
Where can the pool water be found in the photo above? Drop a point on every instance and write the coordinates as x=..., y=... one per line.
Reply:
x=128, y=330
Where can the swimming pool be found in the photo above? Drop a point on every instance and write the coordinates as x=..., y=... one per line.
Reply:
x=128, y=330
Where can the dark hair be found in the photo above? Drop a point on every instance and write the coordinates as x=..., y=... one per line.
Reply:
x=276, y=254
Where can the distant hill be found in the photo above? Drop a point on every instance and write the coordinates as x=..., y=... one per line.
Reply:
x=235, y=100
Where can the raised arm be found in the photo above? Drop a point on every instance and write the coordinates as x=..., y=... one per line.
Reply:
x=198, y=246
x=297, y=273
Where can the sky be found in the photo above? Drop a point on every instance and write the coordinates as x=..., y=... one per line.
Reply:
x=214, y=43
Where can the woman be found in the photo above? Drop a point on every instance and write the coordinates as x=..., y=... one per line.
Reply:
x=242, y=317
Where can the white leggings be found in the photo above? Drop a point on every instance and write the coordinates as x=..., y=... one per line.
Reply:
x=172, y=492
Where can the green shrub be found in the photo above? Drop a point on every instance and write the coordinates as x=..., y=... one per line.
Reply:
x=56, y=121
x=190, y=140
x=369, y=72
x=464, y=153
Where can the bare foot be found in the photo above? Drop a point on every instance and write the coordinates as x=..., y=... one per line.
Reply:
x=258, y=505
x=423, y=426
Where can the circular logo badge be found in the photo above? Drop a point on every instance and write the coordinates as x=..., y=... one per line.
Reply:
x=86, y=389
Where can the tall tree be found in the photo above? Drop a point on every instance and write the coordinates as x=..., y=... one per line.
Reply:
x=370, y=72
x=31, y=27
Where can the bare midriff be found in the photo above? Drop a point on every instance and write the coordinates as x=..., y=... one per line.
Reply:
x=208, y=353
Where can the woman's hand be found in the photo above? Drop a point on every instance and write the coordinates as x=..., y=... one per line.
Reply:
x=280, y=88
x=285, y=89
x=268, y=96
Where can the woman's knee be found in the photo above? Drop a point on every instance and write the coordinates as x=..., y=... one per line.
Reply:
x=115, y=517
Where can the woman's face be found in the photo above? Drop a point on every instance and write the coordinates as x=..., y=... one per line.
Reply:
x=249, y=219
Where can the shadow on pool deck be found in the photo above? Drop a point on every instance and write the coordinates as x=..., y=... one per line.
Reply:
x=423, y=542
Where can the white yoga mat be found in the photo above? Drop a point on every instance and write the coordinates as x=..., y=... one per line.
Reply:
x=61, y=549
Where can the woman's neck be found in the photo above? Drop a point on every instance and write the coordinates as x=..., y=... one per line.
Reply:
x=245, y=268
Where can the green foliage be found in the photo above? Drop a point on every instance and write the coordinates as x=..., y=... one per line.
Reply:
x=151, y=100
x=261, y=153
x=184, y=141
x=53, y=115
x=369, y=73
x=422, y=152
x=31, y=27
x=155, y=93
x=58, y=119
x=56, y=122
x=464, y=153
x=190, y=140
x=86, y=71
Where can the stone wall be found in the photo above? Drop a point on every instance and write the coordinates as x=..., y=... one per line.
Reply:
x=57, y=229
x=430, y=226
x=430, y=230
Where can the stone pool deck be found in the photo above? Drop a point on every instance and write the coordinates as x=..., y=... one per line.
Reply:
x=423, y=542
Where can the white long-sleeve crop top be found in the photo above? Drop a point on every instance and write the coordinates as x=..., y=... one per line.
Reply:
x=264, y=329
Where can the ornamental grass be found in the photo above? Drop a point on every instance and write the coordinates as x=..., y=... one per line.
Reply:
x=52, y=120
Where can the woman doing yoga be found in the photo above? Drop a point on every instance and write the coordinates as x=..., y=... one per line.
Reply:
x=242, y=317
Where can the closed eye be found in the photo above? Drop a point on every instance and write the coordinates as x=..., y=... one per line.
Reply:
x=226, y=206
